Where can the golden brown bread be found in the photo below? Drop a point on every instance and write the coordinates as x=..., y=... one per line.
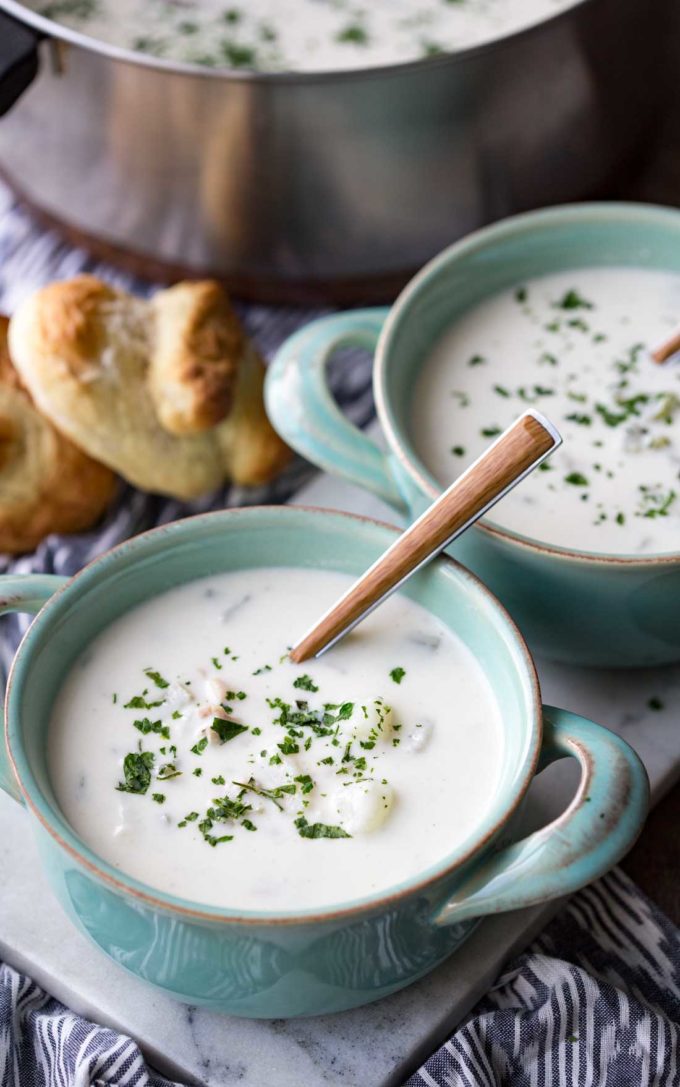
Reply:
x=46, y=483
x=167, y=391
x=198, y=343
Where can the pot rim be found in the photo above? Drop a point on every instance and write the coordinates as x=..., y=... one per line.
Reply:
x=476, y=241
x=66, y=838
x=74, y=37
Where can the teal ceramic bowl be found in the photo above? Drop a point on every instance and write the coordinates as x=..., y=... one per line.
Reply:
x=307, y=962
x=574, y=606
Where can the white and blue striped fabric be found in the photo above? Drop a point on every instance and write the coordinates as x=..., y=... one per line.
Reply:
x=595, y=1002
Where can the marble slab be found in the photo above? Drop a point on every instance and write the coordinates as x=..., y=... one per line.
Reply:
x=376, y=1046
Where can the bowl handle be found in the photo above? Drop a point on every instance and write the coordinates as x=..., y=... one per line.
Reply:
x=24, y=593
x=303, y=411
x=599, y=826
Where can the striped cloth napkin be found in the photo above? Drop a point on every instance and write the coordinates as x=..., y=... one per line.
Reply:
x=595, y=1002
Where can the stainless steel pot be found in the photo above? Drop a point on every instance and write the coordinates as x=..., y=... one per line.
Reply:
x=335, y=185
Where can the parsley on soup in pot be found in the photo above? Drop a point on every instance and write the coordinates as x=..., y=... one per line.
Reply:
x=187, y=750
x=297, y=35
x=577, y=345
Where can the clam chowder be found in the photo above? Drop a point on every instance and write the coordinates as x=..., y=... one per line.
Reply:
x=189, y=752
x=576, y=345
x=296, y=35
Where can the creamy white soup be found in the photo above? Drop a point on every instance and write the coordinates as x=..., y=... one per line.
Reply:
x=297, y=35
x=188, y=751
x=576, y=345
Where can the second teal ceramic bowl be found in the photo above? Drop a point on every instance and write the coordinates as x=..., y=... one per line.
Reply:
x=574, y=606
x=308, y=962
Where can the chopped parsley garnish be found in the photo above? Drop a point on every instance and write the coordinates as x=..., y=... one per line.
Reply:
x=137, y=767
x=661, y=506
x=139, y=702
x=168, y=771
x=305, y=782
x=269, y=794
x=577, y=479
x=397, y=674
x=458, y=450
x=655, y=703
x=319, y=830
x=227, y=730
x=238, y=56
x=573, y=300
x=158, y=797
x=146, y=726
x=354, y=34
x=200, y=747
x=156, y=677
x=305, y=683
x=490, y=431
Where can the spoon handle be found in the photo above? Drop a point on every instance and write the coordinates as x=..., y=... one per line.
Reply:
x=511, y=457
x=666, y=350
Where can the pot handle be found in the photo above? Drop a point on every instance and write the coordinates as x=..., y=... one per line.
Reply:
x=599, y=826
x=303, y=411
x=19, y=60
x=23, y=593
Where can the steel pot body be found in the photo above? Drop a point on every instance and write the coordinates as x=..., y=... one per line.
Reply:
x=337, y=184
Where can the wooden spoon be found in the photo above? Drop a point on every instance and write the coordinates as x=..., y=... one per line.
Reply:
x=666, y=350
x=511, y=457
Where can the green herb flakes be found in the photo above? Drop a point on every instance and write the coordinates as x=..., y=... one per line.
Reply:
x=227, y=730
x=319, y=830
x=139, y=702
x=137, y=767
x=156, y=677
x=145, y=726
x=573, y=300
x=305, y=683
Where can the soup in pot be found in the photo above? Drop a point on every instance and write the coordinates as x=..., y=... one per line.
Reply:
x=297, y=35
x=188, y=751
